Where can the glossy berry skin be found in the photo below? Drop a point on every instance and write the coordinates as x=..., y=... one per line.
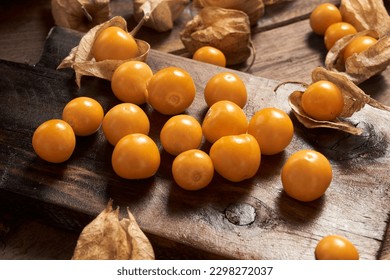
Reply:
x=181, y=133
x=358, y=45
x=210, y=55
x=171, y=90
x=337, y=31
x=236, y=157
x=129, y=82
x=123, y=119
x=273, y=130
x=306, y=175
x=84, y=114
x=114, y=43
x=136, y=156
x=336, y=247
x=323, y=16
x=54, y=141
x=193, y=170
x=226, y=86
x=224, y=118
x=323, y=101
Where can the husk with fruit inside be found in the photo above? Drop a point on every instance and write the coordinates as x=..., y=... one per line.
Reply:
x=361, y=66
x=370, y=18
x=253, y=8
x=82, y=61
x=225, y=29
x=80, y=15
x=109, y=238
x=163, y=17
x=354, y=100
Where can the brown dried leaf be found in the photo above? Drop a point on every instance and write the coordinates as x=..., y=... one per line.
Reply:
x=225, y=29
x=163, y=16
x=360, y=67
x=81, y=60
x=253, y=8
x=366, y=15
x=80, y=15
x=141, y=247
x=108, y=238
x=354, y=100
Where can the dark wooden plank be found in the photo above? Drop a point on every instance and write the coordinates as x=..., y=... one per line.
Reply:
x=356, y=205
x=23, y=28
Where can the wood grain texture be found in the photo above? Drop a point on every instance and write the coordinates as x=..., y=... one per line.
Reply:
x=356, y=205
x=23, y=28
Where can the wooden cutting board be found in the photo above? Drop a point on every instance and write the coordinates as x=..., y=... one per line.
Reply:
x=253, y=219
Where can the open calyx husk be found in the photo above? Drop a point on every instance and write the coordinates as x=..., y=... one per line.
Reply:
x=109, y=238
x=370, y=18
x=354, y=100
x=362, y=66
x=81, y=59
x=225, y=29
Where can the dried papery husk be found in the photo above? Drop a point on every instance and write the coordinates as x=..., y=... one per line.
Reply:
x=81, y=60
x=80, y=15
x=366, y=15
x=253, y=8
x=360, y=67
x=109, y=238
x=163, y=17
x=225, y=29
x=354, y=100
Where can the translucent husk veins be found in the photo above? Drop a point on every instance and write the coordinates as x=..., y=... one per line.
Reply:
x=109, y=238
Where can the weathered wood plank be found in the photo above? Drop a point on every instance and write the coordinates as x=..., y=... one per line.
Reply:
x=22, y=22
x=356, y=205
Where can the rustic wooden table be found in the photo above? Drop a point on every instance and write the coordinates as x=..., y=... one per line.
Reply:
x=286, y=49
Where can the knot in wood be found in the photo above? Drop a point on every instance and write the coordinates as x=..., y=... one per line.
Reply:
x=240, y=214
